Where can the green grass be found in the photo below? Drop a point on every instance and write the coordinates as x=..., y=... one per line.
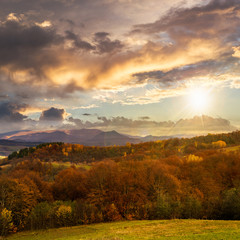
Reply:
x=157, y=229
x=232, y=149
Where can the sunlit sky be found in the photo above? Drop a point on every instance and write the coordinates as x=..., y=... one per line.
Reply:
x=133, y=66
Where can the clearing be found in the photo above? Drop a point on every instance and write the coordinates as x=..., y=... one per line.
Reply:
x=145, y=229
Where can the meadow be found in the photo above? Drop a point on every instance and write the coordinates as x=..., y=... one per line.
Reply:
x=129, y=230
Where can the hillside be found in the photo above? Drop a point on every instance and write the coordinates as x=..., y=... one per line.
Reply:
x=77, y=153
x=58, y=184
x=8, y=146
x=159, y=230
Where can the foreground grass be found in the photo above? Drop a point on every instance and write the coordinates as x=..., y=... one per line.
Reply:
x=157, y=229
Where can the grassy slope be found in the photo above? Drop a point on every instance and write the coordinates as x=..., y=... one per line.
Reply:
x=157, y=229
x=232, y=149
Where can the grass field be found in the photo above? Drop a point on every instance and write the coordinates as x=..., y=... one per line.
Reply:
x=232, y=149
x=157, y=229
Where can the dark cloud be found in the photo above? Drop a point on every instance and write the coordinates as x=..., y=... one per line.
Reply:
x=52, y=114
x=9, y=112
x=31, y=91
x=217, y=21
x=203, y=22
x=105, y=45
x=101, y=35
x=119, y=122
x=69, y=21
x=22, y=46
x=102, y=43
x=144, y=118
x=3, y=96
x=211, y=68
x=78, y=43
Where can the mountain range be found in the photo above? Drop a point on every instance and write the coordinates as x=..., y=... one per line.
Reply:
x=95, y=137
x=88, y=137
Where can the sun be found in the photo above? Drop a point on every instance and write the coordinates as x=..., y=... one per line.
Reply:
x=198, y=99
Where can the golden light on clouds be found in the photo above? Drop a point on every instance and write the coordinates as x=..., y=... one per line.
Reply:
x=111, y=71
x=44, y=24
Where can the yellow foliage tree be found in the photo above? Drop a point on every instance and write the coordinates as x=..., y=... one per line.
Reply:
x=219, y=144
x=193, y=158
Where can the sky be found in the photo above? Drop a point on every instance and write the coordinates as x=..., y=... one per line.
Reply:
x=140, y=67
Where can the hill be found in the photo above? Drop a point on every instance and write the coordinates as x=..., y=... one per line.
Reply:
x=8, y=146
x=158, y=229
x=61, y=184
x=110, y=138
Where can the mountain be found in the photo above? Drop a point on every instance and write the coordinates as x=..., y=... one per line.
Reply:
x=81, y=136
x=198, y=125
x=3, y=135
x=56, y=136
x=112, y=138
x=72, y=136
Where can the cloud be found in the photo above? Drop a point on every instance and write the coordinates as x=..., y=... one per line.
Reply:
x=61, y=48
x=105, y=45
x=12, y=117
x=43, y=60
x=119, y=122
x=78, y=43
x=86, y=107
x=101, y=43
x=21, y=46
x=196, y=125
x=144, y=118
x=203, y=124
x=236, y=52
x=52, y=114
x=193, y=29
x=10, y=112
x=77, y=122
x=211, y=69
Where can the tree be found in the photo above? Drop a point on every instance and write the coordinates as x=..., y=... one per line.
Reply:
x=18, y=198
x=70, y=184
x=6, y=224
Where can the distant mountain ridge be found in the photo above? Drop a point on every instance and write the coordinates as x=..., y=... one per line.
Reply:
x=198, y=125
x=87, y=137
x=80, y=136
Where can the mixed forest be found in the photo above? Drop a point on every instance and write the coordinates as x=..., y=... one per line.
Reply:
x=57, y=184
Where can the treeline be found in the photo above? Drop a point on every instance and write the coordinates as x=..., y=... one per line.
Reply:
x=76, y=153
x=29, y=150
x=34, y=195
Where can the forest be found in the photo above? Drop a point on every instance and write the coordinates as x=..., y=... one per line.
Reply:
x=57, y=184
